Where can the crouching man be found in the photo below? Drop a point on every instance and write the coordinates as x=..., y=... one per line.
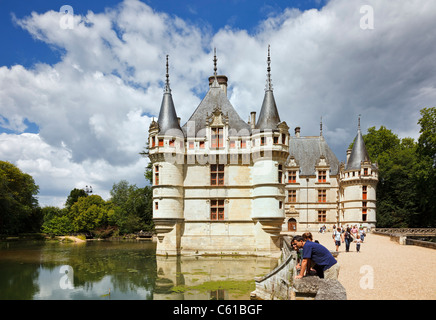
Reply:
x=318, y=257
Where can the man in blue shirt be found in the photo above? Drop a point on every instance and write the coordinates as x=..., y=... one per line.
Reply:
x=318, y=257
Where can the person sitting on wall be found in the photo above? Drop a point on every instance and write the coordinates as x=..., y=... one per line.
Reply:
x=318, y=257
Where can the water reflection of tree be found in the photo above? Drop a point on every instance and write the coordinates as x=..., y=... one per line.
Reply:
x=19, y=283
x=131, y=265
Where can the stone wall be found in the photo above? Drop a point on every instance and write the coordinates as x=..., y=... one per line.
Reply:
x=280, y=284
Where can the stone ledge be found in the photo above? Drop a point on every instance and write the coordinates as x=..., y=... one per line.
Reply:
x=319, y=289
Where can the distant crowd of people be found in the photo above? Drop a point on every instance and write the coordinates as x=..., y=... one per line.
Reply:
x=348, y=235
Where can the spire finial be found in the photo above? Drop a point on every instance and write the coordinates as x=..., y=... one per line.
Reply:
x=320, y=127
x=358, y=123
x=167, y=81
x=214, y=62
x=268, y=69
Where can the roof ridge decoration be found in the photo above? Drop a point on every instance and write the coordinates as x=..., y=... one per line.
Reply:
x=167, y=81
x=268, y=74
x=215, y=81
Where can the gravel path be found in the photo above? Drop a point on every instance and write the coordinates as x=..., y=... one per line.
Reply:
x=384, y=269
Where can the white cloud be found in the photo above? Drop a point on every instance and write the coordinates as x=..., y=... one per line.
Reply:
x=93, y=107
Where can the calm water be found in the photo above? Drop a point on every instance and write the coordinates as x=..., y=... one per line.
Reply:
x=99, y=270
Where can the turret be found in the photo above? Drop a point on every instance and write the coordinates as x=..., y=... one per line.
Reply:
x=166, y=155
x=358, y=181
x=270, y=149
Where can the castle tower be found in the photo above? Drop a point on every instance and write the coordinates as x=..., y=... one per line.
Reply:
x=358, y=181
x=166, y=155
x=270, y=149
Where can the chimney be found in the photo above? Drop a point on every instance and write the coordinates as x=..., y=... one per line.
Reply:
x=222, y=81
x=348, y=154
x=297, y=132
x=253, y=119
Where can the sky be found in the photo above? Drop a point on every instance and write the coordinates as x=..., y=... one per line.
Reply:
x=78, y=90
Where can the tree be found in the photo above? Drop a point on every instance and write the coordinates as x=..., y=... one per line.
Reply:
x=133, y=211
x=18, y=202
x=426, y=170
x=89, y=213
x=75, y=194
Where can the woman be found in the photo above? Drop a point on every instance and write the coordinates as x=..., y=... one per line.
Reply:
x=337, y=237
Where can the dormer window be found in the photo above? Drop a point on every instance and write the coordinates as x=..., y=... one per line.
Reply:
x=322, y=176
x=217, y=137
x=161, y=142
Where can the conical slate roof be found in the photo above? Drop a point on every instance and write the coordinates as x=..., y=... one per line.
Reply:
x=167, y=120
x=358, y=153
x=269, y=116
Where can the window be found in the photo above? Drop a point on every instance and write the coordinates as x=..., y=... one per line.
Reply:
x=153, y=142
x=156, y=175
x=262, y=141
x=292, y=176
x=364, y=212
x=201, y=144
x=364, y=192
x=217, y=175
x=217, y=138
x=191, y=145
x=280, y=204
x=322, y=197
x=156, y=205
x=321, y=216
x=292, y=196
x=243, y=144
x=280, y=173
x=276, y=140
x=283, y=138
x=217, y=209
x=322, y=176
x=161, y=142
x=232, y=143
x=365, y=171
x=172, y=142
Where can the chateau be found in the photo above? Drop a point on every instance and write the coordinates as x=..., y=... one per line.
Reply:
x=225, y=186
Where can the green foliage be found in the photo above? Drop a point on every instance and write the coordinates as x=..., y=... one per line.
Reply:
x=133, y=209
x=18, y=202
x=75, y=194
x=406, y=188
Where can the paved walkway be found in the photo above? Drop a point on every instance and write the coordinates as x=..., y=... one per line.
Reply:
x=384, y=269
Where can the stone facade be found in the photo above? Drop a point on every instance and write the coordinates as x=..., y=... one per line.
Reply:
x=225, y=186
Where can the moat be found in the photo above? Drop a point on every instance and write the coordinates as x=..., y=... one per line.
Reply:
x=118, y=270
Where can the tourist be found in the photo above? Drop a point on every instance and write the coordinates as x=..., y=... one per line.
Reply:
x=354, y=231
x=319, y=257
x=299, y=253
x=358, y=241
x=362, y=233
x=307, y=236
x=337, y=237
x=348, y=239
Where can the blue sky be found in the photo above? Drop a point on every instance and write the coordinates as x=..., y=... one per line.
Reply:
x=18, y=46
x=76, y=104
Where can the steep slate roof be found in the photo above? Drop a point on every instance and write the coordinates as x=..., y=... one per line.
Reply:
x=216, y=97
x=358, y=153
x=307, y=152
x=167, y=120
x=269, y=116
